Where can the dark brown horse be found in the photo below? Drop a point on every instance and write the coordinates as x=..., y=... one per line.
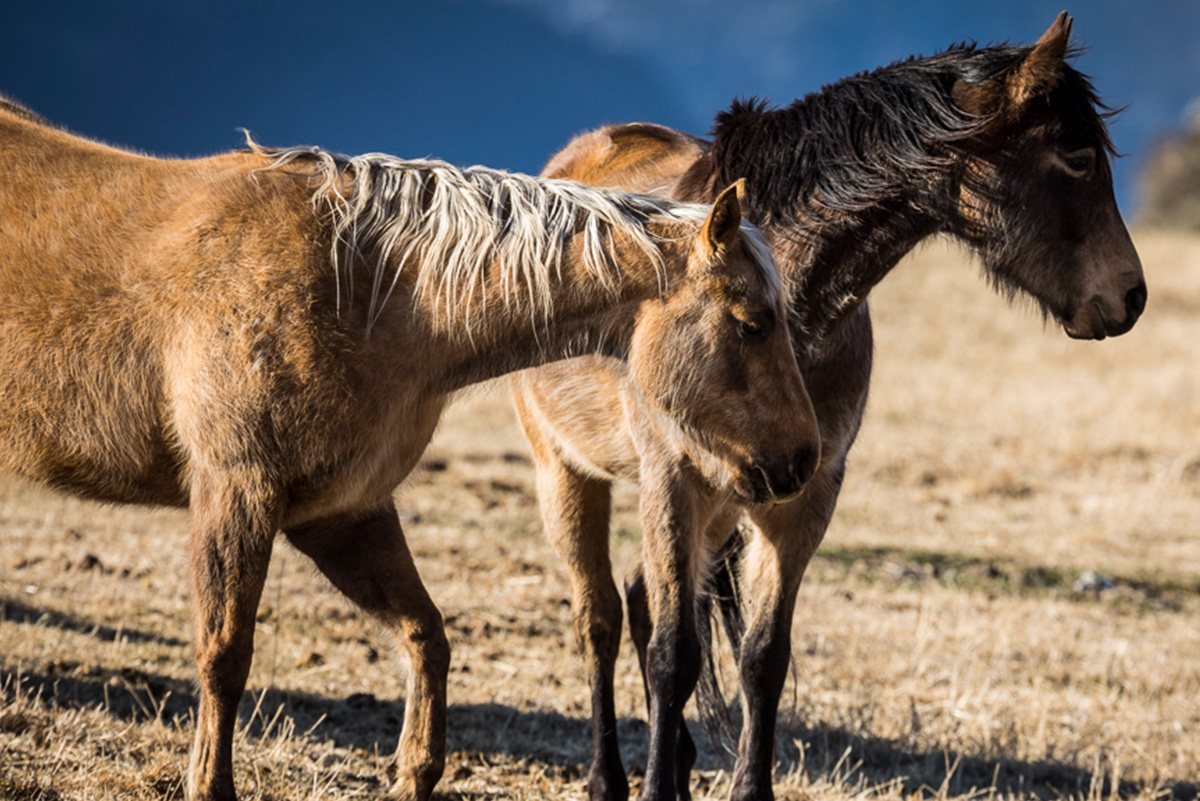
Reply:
x=1003, y=148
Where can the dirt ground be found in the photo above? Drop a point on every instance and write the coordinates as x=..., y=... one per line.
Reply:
x=1006, y=604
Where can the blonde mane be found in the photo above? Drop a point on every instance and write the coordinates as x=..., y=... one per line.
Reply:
x=454, y=224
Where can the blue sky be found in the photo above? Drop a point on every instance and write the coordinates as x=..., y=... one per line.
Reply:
x=507, y=82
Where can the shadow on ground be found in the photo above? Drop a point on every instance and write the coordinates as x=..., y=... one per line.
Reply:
x=14, y=611
x=364, y=722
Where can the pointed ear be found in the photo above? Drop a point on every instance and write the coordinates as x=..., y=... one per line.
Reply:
x=724, y=222
x=1036, y=75
x=1040, y=70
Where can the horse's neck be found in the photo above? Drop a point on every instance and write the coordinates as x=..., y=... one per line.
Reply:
x=582, y=315
x=831, y=259
x=830, y=267
x=518, y=347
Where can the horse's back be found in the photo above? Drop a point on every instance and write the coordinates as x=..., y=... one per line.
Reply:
x=635, y=157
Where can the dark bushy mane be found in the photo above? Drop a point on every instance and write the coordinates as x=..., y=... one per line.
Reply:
x=863, y=140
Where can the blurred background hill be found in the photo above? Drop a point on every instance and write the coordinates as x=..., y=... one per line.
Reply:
x=1169, y=182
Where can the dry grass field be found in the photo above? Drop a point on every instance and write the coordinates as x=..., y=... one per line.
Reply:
x=1006, y=605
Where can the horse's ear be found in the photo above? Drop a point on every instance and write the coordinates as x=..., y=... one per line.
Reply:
x=1036, y=75
x=739, y=186
x=1040, y=70
x=724, y=222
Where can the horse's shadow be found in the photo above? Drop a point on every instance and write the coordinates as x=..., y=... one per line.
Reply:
x=828, y=749
x=362, y=721
x=14, y=611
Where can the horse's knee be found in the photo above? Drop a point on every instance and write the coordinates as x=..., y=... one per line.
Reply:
x=598, y=623
x=764, y=658
x=673, y=662
x=430, y=650
x=223, y=665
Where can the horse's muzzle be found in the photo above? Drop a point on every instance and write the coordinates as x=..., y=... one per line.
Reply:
x=778, y=481
x=1092, y=323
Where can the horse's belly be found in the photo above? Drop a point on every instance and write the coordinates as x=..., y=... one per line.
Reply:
x=135, y=476
x=122, y=456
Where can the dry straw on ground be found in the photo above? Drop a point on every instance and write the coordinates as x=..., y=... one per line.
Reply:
x=1005, y=606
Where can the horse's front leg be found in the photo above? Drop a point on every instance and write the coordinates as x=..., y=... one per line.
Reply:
x=722, y=520
x=771, y=569
x=672, y=510
x=637, y=603
x=233, y=526
x=368, y=560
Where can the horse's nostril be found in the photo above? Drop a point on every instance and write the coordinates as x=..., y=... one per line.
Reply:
x=806, y=465
x=1135, y=300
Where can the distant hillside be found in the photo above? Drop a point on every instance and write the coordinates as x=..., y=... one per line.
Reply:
x=1170, y=182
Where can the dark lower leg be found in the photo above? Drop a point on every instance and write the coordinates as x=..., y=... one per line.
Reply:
x=672, y=668
x=606, y=778
x=773, y=566
x=640, y=628
x=575, y=512
x=766, y=651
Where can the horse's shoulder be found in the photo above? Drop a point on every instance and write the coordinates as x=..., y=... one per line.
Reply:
x=636, y=155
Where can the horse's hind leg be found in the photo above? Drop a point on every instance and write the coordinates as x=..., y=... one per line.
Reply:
x=575, y=513
x=368, y=559
x=233, y=526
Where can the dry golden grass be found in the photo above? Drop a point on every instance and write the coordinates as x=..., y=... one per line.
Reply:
x=941, y=649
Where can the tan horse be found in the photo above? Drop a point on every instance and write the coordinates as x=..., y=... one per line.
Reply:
x=1002, y=147
x=269, y=338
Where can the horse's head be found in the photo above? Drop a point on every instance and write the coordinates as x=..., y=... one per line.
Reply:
x=1037, y=198
x=715, y=357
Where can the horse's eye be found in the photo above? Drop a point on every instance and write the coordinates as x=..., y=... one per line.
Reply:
x=755, y=328
x=1079, y=163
